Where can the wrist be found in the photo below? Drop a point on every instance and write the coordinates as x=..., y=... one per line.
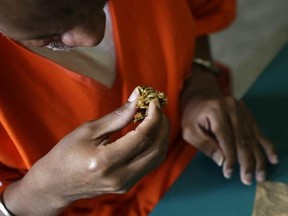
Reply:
x=207, y=65
x=203, y=79
x=28, y=197
x=199, y=85
x=4, y=211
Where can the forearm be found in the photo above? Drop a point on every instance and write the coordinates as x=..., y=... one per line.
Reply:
x=202, y=48
x=201, y=80
x=28, y=197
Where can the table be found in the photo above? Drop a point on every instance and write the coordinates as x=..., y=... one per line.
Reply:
x=202, y=190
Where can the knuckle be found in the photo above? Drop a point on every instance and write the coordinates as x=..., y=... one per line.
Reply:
x=144, y=141
x=118, y=185
x=119, y=111
x=243, y=143
x=86, y=128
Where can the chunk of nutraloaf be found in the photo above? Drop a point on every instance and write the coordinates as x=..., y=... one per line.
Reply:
x=146, y=95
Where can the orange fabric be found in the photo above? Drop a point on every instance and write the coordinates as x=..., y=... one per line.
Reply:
x=40, y=101
x=211, y=16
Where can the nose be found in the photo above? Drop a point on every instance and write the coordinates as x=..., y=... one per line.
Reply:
x=87, y=34
x=80, y=36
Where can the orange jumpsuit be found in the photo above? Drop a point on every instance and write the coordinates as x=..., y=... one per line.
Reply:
x=40, y=101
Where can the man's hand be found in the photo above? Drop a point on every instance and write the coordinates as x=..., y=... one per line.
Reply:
x=224, y=130
x=86, y=163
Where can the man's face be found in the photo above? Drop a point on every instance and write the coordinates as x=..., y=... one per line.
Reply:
x=57, y=24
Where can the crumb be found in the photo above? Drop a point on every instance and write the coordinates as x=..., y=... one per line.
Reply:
x=146, y=95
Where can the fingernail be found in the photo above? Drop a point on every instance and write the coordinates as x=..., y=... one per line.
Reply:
x=156, y=101
x=247, y=179
x=133, y=95
x=228, y=173
x=261, y=176
x=274, y=159
x=218, y=158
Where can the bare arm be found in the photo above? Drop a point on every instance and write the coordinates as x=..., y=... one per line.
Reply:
x=222, y=127
x=85, y=163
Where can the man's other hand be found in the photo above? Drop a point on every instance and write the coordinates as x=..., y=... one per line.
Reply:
x=223, y=129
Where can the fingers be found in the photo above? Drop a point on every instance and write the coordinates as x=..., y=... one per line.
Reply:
x=247, y=149
x=225, y=131
x=241, y=139
x=269, y=149
x=222, y=128
x=251, y=160
x=152, y=122
x=204, y=143
x=147, y=160
x=260, y=165
x=246, y=162
x=212, y=134
x=133, y=143
x=116, y=120
x=270, y=152
x=250, y=145
x=142, y=150
x=154, y=155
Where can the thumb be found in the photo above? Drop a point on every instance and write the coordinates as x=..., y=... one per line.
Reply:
x=117, y=119
x=204, y=143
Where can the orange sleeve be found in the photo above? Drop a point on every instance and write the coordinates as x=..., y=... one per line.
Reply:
x=211, y=16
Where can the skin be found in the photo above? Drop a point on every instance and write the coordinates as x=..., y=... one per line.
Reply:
x=91, y=164
x=222, y=127
x=219, y=126
x=80, y=24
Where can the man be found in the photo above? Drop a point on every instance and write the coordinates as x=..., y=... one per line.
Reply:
x=46, y=95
